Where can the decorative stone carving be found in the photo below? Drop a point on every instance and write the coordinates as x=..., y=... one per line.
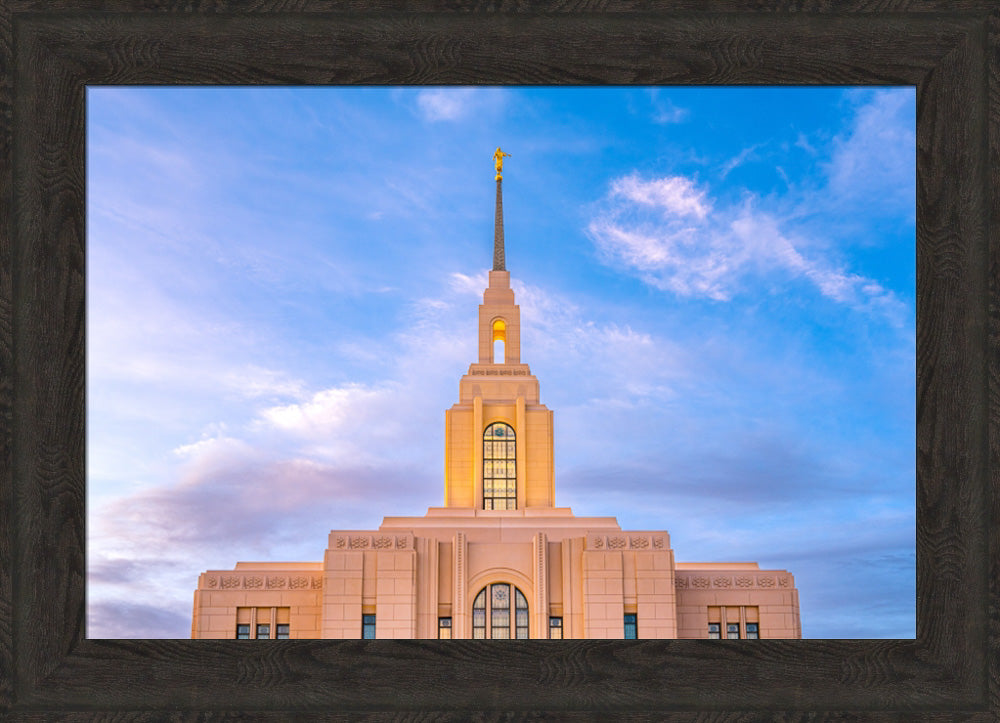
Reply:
x=383, y=543
x=639, y=543
x=254, y=582
x=699, y=582
x=298, y=582
x=616, y=543
x=783, y=581
x=341, y=542
x=682, y=583
x=597, y=542
x=403, y=543
x=277, y=582
x=317, y=582
x=765, y=581
x=460, y=576
x=211, y=581
x=723, y=581
x=744, y=581
x=658, y=543
x=359, y=543
x=230, y=582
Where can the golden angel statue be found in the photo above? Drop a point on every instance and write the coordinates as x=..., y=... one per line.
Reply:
x=498, y=157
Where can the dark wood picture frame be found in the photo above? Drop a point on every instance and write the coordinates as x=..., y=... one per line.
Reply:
x=51, y=50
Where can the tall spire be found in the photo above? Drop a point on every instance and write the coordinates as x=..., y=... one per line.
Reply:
x=498, y=259
x=498, y=255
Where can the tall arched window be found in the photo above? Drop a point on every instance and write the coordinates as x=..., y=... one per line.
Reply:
x=491, y=616
x=499, y=468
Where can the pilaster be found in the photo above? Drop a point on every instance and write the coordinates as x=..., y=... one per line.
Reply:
x=540, y=578
x=459, y=614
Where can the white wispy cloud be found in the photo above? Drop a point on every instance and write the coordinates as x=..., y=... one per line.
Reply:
x=455, y=104
x=675, y=195
x=801, y=141
x=469, y=283
x=670, y=232
x=676, y=238
x=739, y=159
x=664, y=111
x=875, y=158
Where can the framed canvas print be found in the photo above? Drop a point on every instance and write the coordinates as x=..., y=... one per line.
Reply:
x=930, y=62
x=714, y=286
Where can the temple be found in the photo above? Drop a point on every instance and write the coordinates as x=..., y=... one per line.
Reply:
x=499, y=559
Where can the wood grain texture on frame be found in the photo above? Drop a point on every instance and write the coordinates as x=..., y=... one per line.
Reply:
x=50, y=52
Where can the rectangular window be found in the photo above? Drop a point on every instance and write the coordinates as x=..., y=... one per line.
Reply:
x=734, y=622
x=521, y=623
x=444, y=628
x=631, y=626
x=555, y=629
x=479, y=622
x=258, y=623
x=368, y=627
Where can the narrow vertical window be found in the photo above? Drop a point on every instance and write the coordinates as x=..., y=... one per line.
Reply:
x=242, y=632
x=520, y=615
x=733, y=623
x=500, y=611
x=499, y=467
x=368, y=627
x=444, y=628
x=631, y=626
x=263, y=632
x=555, y=629
x=479, y=616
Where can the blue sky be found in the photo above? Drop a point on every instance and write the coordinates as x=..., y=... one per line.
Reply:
x=717, y=297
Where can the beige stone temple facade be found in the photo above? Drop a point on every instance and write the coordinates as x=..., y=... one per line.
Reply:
x=499, y=559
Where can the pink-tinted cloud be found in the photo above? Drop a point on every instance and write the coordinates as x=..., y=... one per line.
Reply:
x=125, y=619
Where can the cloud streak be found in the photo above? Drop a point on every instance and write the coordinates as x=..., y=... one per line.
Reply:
x=875, y=160
x=677, y=239
x=456, y=104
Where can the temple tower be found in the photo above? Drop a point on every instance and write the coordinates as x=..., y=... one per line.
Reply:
x=498, y=437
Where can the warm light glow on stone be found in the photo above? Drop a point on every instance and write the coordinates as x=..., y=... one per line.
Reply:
x=499, y=330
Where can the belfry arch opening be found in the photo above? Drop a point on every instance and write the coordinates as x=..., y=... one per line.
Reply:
x=499, y=341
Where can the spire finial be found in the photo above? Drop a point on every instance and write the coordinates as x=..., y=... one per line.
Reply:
x=498, y=157
x=498, y=255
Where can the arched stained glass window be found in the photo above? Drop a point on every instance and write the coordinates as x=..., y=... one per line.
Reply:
x=499, y=467
x=491, y=613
